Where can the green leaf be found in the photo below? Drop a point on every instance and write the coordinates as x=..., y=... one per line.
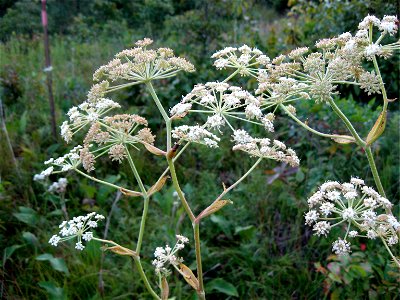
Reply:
x=9, y=251
x=30, y=238
x=27, y=215
x=57, y=264
x=222, y=286
x=300, y=175
x=54, y=292
x=246, y=232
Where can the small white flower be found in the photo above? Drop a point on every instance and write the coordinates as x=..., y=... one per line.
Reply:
x=341, y=247
x=79, y=246
x=353, y=233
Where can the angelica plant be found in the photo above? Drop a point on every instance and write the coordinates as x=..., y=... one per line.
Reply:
x=307, y=75
x=225, y=109
x=119, y=137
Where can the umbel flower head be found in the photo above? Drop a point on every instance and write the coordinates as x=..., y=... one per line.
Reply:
x=302, y=74
x=264, y=148
x=354, y=205
x=223, y=104
x=78, y=228
x=166, y=256
x=244, y=59
x=140, y=64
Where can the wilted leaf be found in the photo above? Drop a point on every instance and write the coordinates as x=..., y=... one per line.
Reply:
x=157, y=186
x=130, y=193
x=377, y=129
x=154, y=150
x=214, y=207
x=164, y=288
x=189, y=276
x=120, y=250
x=344, y=139
x=222, y=286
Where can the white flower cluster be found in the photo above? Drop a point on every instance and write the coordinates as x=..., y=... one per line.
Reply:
x=339, y=60
x=140, y=64
x=167, y=256
x=224, y=103
x=196, y=134
x=59, y=186
x=78, y=228
x=244, y=59
x=86, y=113
x=355, y=205
x=275, y=150
x=64, y=163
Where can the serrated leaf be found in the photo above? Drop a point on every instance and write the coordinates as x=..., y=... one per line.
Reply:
x=120, y=251
x=154, y=150
x=214, y=207
x=189, y=276
x=157, y=186
x=344, y=139
x=377, y=129
x=164, y=289
x=222, y=286
x=130, y=193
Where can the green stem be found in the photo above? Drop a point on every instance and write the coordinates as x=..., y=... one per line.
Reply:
x=391, y=254
x=179, y=191
x=346, y=121
x=381, y=84
x=374, y=171
x=231, y=76
x=162, y=111
x=102, y=181
x=144, y=278
x=145, y=205
x=200, y=292
x=302, y=124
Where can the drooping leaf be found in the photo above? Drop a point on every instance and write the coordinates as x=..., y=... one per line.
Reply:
x=56, y=263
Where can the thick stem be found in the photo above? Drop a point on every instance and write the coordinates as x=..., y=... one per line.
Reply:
x=302, y=124
x=196, y=230
x=179, y=191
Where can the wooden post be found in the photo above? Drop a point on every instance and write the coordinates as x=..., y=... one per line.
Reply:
x=48, y=70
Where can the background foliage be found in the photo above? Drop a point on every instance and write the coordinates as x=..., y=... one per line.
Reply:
x=259, y=245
